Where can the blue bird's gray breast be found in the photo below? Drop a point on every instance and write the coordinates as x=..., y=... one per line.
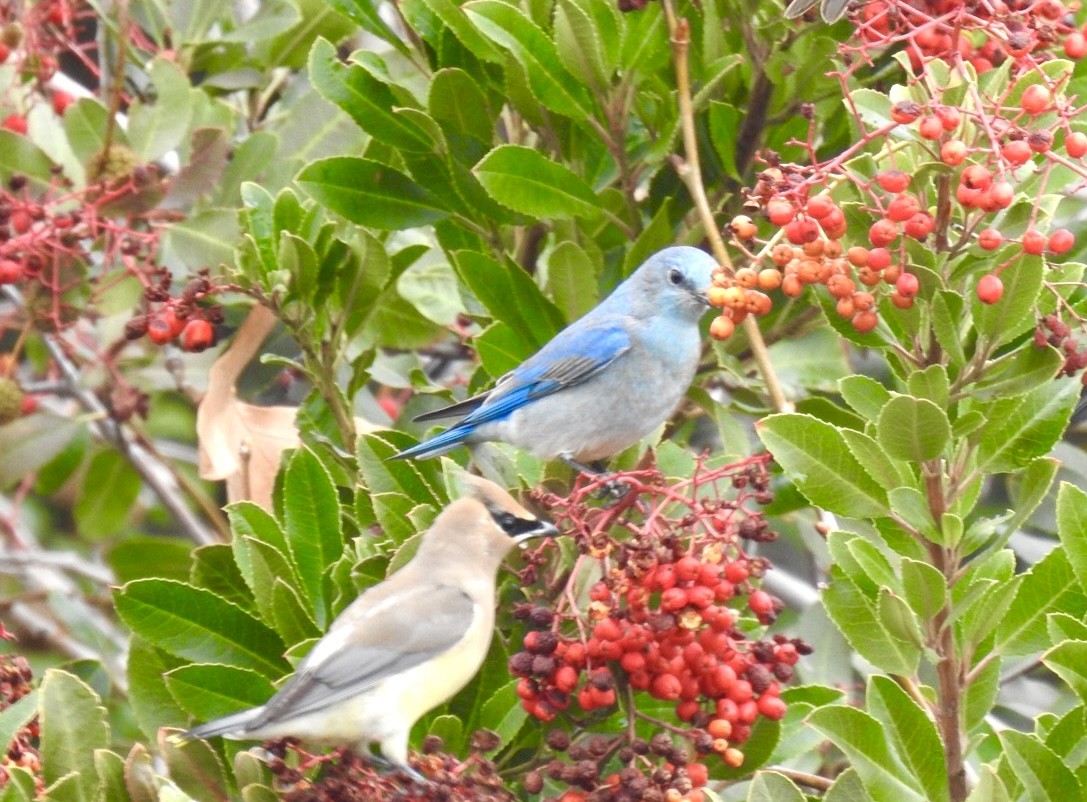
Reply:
x=610, y=411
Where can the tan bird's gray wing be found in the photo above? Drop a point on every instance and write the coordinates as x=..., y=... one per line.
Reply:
x=364, y=647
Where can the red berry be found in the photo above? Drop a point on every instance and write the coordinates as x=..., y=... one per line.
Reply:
x=698, y=774
x=666, y=687
x=819, y=206
x=20, y=221
x=990, y=239
x=949, y=116
x=771, y=706
x=158, y=330
x=197, y=335
x=673, y=599
x=879, y=259
x=931, y=127
x=608, y=629
x=700, y=596
x=4, y=52
x=976, y=177
x=737, y=572
x=1061, y=241
x=953, y=152
x=970, y=198
x=1075, y=45
x=903, y=207
x=882, y=232
x=1075, y=144
x=905, y=111
x=907, y=285
x=990, y=288
x=760, y=603
x=919, y=226
x=1033, y=241
x=1016, y=152
x=780, y=211
x=61, y=101
x=566, y=679
x=893, y=181
x=688, y=569
x=801, y=231
x=1036, y=99
x=10, y=271
x=15, y=123
x=864, y=322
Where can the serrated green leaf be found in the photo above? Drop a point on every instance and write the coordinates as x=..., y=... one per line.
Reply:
x=196, y=768
x=1025, y=427
x=572, y=279
x=456, y=99
x=16, y=716
x=524, y=180
x=930, y=384
x=1072, y=528
x=1068, y=661
x=864, y=394
x=553, y=86
x=311, y=518
x=587, y=38
x=104, y=504
x=769, y=786
x=861, y=737
x=198, y=625
x=815, y=456
x=857, y=618
x=1049, y=587
x=913, y=429
x=989, y=788
x=912, y=734
x=206, y=691
x=370, y=193
x=73, y=724
x=1044, y=778
x=924, y=588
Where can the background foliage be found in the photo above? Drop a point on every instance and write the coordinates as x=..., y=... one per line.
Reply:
x=423, y=193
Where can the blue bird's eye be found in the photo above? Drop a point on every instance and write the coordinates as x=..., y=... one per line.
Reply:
x=675, y=277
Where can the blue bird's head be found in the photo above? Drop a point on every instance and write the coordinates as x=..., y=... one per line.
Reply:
x=673, y=281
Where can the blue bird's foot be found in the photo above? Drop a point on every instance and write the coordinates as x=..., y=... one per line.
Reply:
x=387, y=766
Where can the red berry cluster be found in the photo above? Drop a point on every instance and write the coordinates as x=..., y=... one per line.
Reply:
x=15, y=683
x=661, y=622
x=983, y=34
x=346, y=777
x=989, y=147
x=180, y=318
x=32, y=37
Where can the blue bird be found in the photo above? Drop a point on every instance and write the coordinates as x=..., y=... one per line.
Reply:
x=602, y=383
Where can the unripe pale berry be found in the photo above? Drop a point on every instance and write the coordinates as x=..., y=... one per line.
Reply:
x=953, y=152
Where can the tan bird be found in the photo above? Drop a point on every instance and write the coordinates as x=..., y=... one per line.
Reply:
x=406, y=644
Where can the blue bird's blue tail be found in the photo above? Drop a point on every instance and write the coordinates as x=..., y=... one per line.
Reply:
x=438, y=444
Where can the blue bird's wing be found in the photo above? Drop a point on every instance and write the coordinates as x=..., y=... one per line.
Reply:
x=573, y=356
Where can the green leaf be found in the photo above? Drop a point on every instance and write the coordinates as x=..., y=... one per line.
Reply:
x=508, y=27
x=1049, y=587
x=587, y=35
x=913, y=429
x=510, y=295
x=432, y=289
x=369, y=102
x=455, y=98
x=924, y=587
x=104, y=504
x=16, y=716
x=815, y=456
x=213, y=568
x=196, y=768
x=572, y=279
x=501, y=349
x=857, y=617
x=201, y=239
x=1019, y=372
x=271, y=19
x=157, y=128
x=139, y=557
x=502, y=714
x=1014, y=312
x=370, y=193
x=18, y=155
x=110, y=768
x=1072, y=528
x=73, y=725
x=1042, y=775
x=453, y=18
x=311, y=518
x=199, y=626
x=1068, y=660
x=524, y=180
x=31, y=441
x=861, y=738
x=86, y=122
x=1028, y=427
x=891, y=474
x=931, y=384
x=769, y=786
x=912, y=734
x=207, y=691
x=866, y=395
